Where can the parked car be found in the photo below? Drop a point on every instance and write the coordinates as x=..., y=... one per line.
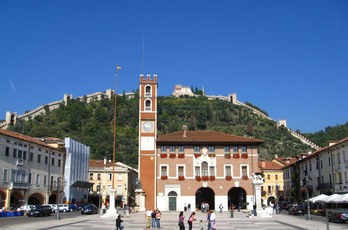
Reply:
x=54, y=207
x=297, y=210
x=89, y=209
x=63, y=207
x=73, y=207
x=26, y=208
x=338, y=216
x=40, y=210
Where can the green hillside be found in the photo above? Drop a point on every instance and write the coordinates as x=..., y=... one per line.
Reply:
x=92, y=124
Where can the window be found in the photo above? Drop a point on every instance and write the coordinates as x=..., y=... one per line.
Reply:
x=119, y=189
x=7, y=153
x=148, y=91
x=268, y=177
x=197, y=171
x=14, y=153
x=164, y=171
x=244, y=149
x=181, y=149
x=20, y=154
x=31, y=158
x=163, y=149
x=227, y=149
x=98, y=176
x=212, y=170
x=244, y=171
x=37, y=179
x=329, y=161
x=29, y=178
x=172, y=149
x=148, y=105
x=211, y=149
x=119, y=176
x=91, y=176
x=45, y=180
x=98, y=187
x=276, y=177
x=5, y=175
x=52, y=162
x=235, y=149
x=196, y=149
x=180, y=170
x=228, y=170
x=59, y=162
x=24, y=155
x=38, y=158
x=204, y=168
x=110, y=176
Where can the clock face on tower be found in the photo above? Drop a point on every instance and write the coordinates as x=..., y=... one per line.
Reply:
x=148, y=126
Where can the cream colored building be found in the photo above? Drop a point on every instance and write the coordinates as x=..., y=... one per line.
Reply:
x=101, y=175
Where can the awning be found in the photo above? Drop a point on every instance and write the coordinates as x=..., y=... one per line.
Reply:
x=82, y=184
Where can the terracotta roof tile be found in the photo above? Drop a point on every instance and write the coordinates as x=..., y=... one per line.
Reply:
x=25, y=138
x=205, y=137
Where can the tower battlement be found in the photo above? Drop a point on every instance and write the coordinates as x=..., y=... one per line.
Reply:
x=148, y=79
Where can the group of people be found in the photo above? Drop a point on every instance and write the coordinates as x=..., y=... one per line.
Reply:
x=211, y=220
x=187, y=207
x=204, y=207
x=153, y=218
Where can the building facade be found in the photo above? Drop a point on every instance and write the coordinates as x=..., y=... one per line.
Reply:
x=31, y=170
x=192, y=167
x=101, y=174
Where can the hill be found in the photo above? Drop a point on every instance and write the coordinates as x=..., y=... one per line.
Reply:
x=92, y=124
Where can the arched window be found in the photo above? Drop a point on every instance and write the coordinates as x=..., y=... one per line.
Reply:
x=172, y=193
x=148, y=105
x=147, y=91
x=204, y=168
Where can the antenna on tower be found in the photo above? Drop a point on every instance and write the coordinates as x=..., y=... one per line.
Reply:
x=143, y=56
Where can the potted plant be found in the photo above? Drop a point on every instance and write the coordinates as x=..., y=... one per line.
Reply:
x=163, y=155
x=244, y=155
x=205, y=178
x=198, y=178
x=181, y=155
x=181, y=178
x=164, y=177
x=197, y=155
x=228, y=178
x=245, y=177
x=235, y=155
x=212, y=178
x=172, y=155
x=227, y=155
x=211, y=154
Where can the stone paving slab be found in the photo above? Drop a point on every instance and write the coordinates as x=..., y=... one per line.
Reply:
x=136, y=221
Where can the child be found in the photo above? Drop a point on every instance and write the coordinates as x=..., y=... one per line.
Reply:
x=202, y=225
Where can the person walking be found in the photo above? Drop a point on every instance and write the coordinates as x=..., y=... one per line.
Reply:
x=191, y=219
x=119, y=221
x=181, y=221
x=221, y=207
x=158, y=218
x=212, y=220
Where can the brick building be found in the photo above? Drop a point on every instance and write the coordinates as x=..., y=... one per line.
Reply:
x=191, y=167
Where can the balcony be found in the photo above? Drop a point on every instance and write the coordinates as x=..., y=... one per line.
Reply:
x=19, y=162
x=325, y=186
x=338, y=187
x=20, y=185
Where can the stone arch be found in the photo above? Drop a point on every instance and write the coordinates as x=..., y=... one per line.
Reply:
x=206, y=195
x=16, y=199
x=237, y=197
x=53, y=199
x=36, y=199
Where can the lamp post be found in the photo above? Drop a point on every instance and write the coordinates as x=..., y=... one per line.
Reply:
x=307, y=185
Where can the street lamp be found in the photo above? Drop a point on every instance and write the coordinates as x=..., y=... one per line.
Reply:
x=307, y=185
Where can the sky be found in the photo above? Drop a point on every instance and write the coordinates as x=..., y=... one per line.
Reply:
x=289, y=58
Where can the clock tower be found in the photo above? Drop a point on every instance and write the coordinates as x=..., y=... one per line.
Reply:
x=147, y=138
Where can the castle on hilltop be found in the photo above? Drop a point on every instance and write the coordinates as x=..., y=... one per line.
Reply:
x=179, y=90
x=12, y=117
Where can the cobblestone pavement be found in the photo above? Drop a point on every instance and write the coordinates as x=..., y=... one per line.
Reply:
x=136, y=221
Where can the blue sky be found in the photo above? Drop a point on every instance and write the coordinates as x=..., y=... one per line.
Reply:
x=287, y=57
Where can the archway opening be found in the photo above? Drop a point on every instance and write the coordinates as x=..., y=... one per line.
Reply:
x=237, y=197
x=207, y=196
x=52, y=199
x=35, y=199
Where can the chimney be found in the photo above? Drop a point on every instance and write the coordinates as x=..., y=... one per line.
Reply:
x=104, y=161
x=185, y=129
x=263, y=163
